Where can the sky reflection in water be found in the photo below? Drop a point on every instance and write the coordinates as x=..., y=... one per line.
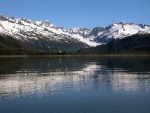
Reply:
x=76, y=78
x=42, y=75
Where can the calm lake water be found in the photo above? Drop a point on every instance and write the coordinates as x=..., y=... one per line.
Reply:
x=75, y=85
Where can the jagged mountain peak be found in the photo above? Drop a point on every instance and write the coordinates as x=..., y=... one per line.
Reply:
x=122, y=22
x=3, y=18
x=46, y=23
x=23, y=28
x=25, y=20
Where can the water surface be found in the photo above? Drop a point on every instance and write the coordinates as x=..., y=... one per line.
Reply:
x=75, y=85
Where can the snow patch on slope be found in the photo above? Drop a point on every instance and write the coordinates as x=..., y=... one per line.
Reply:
x=22, y=28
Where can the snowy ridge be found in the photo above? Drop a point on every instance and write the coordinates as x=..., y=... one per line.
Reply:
x=24, y=29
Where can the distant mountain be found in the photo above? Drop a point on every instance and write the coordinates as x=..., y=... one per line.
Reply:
x=131, y=44
x=10, y=45
x=45, y=36
x=36, y=36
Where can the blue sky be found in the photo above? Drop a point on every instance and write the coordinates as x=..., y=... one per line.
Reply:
x=79, y=13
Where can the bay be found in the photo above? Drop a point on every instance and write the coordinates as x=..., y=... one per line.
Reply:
x=75, y=84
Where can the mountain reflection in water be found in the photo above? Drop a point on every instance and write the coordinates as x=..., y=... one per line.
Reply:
x=54, y=75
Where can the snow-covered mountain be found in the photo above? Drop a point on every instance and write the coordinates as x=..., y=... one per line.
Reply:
x=118, y=30
x=26, y=30
x=22, y=28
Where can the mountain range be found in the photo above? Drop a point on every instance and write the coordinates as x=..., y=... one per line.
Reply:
x=26, y=35
x=138, y=43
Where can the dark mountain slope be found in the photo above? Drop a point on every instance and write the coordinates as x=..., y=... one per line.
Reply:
x=134, y=43
x=10, y=46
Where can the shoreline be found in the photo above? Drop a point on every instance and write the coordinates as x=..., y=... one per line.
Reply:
x=77, y=55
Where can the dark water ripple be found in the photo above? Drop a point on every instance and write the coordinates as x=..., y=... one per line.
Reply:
x=75, y=85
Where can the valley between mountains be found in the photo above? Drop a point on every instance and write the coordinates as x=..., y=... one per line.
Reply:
x=23, y=36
